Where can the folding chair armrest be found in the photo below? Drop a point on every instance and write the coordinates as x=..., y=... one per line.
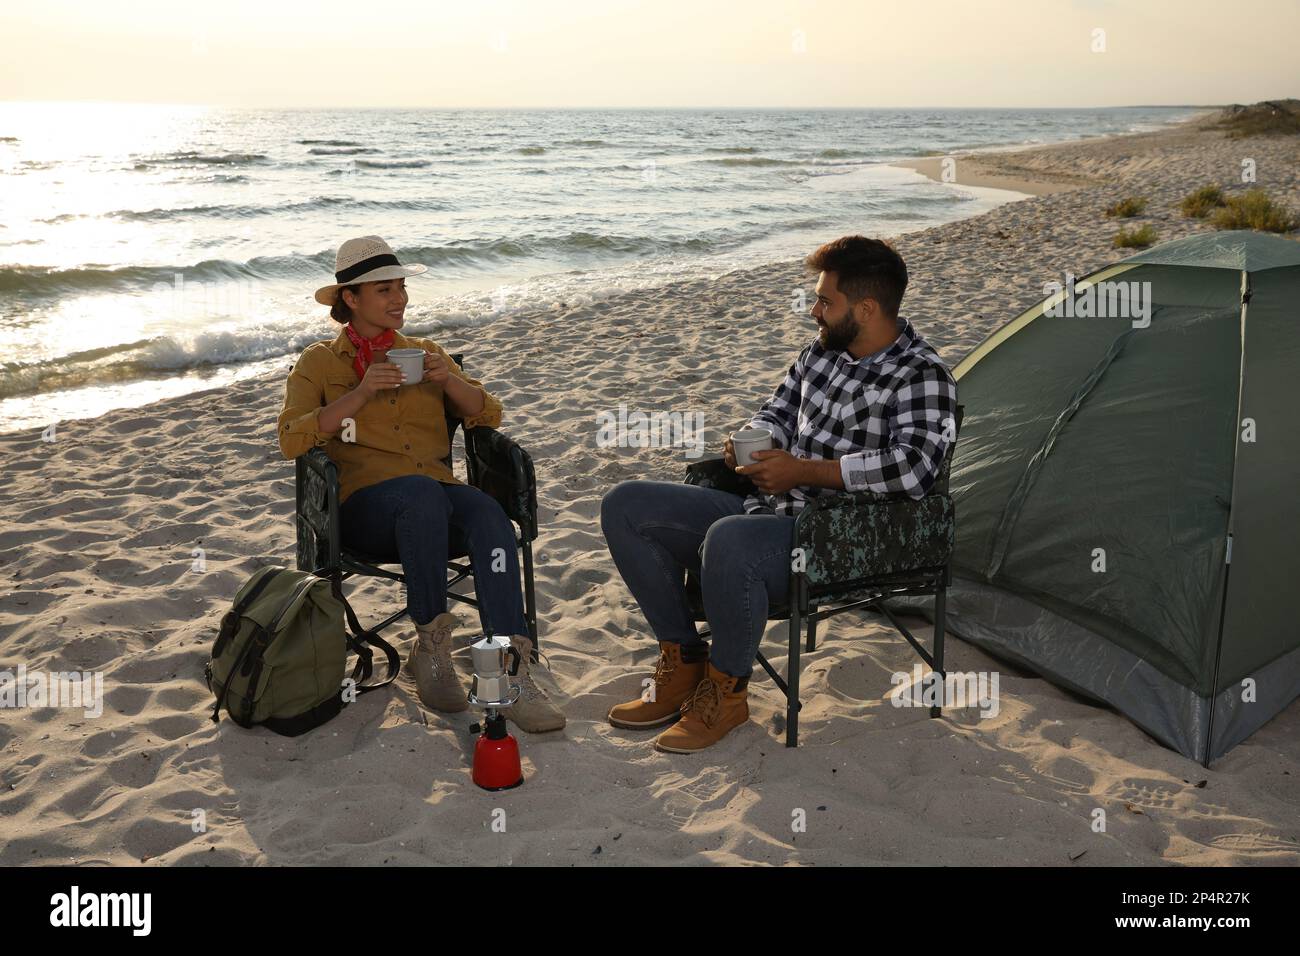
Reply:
x=317, y=461
x=499, y=466
x=862, y=535
x=714, y=473
x=316, y=493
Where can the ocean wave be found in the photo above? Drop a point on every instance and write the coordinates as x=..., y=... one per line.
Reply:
x=43, y=282
x=342, y=150
x=391, y=163
x=328, y=142
x=743, y=150
x=31, y=165
x=8, y=139
x=757, y=161
x=530, y=150
x=248, y=212
x=151, y=357
x=189, y=157
x=570, y=244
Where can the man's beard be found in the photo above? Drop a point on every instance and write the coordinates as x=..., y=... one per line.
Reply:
x=836, y=336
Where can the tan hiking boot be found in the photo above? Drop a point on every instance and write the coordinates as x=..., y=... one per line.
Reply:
x=533, y=711
x=660, y=701
x=718, y=705
x=435, y=675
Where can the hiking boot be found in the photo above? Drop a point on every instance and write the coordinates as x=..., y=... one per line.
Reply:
x=661, y=700
x=533, y=711
x=436, y=680
x=717, y=705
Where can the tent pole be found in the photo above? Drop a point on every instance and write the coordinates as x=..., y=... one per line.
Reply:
x=1227, y=564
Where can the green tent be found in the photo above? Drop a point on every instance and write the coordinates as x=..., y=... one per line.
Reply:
x=1125, y=486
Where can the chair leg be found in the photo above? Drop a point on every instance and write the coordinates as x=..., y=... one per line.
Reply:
x=812, y=635
x=530, y=598
x=792, y=680
x=940, y=619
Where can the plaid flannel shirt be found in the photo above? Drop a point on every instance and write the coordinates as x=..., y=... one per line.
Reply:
x=888, y=418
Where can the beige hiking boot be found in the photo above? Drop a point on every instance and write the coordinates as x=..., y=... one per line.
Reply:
x=533, y=711
x=435, y=675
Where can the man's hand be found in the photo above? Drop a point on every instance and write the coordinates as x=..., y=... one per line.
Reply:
x=775, y=471
x=436, y=369
x=729, y=454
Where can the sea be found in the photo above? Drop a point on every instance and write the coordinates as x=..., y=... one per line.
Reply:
x=148, y=251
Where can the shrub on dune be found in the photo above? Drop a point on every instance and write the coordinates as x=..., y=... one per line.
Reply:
x=1255, y=209
x=1127, y=208
x=1201, y=203
x=1138, y=238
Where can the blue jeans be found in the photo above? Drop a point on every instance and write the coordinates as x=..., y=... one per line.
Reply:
x=657, y=531
x=419, y=519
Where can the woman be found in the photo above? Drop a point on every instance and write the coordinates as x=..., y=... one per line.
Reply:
x=397, y=496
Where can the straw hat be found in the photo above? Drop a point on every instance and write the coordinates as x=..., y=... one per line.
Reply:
x=368, y=259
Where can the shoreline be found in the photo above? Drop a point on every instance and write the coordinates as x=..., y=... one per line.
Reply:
x=970, y=172
x=999, y=168
x=99, y=530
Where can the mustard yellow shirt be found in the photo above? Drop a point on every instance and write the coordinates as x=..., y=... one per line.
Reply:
x=400, y=431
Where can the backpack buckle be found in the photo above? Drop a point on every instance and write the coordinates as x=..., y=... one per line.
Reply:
x=229, y=625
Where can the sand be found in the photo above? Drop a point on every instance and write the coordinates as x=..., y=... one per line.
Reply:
x=100, y=526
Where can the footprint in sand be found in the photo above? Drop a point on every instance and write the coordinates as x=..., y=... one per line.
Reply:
x=1253, y=843
x=1146, y=794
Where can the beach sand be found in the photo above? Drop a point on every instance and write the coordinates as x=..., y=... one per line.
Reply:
x=100, y=527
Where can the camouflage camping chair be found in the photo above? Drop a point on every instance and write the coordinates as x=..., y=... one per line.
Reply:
x=493, y=463
x=859, y=549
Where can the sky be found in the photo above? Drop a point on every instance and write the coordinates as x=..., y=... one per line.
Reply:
x=652, y=53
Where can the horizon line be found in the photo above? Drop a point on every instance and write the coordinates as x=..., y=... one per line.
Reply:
x=190, y=105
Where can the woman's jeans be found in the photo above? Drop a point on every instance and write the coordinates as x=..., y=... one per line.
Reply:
x=419, y=519
x=657, y=531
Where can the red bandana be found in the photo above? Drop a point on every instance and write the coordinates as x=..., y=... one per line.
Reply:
x=366, y=348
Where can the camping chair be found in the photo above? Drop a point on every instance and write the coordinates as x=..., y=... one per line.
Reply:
x=859, y=549
x=493, y=463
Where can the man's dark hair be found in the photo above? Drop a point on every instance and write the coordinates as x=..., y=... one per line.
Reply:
x=864, y=268
x=340, y=311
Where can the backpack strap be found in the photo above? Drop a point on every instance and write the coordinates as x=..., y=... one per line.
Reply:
x=297, y=592
x=235, y=668
x=358, y=638
x=230, y=620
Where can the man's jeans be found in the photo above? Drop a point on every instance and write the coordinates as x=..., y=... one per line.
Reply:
x=418, y=518
x=657, y=531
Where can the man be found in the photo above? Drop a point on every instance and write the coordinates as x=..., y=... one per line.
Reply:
x=866, y=406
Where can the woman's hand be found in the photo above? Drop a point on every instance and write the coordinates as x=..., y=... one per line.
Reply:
x=436, y=369
x=379, y=376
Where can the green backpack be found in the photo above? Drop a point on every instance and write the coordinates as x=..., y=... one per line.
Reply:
x=281, y=653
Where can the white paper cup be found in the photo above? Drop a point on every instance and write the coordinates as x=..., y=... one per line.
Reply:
x=749, y=440
x=410, y=361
